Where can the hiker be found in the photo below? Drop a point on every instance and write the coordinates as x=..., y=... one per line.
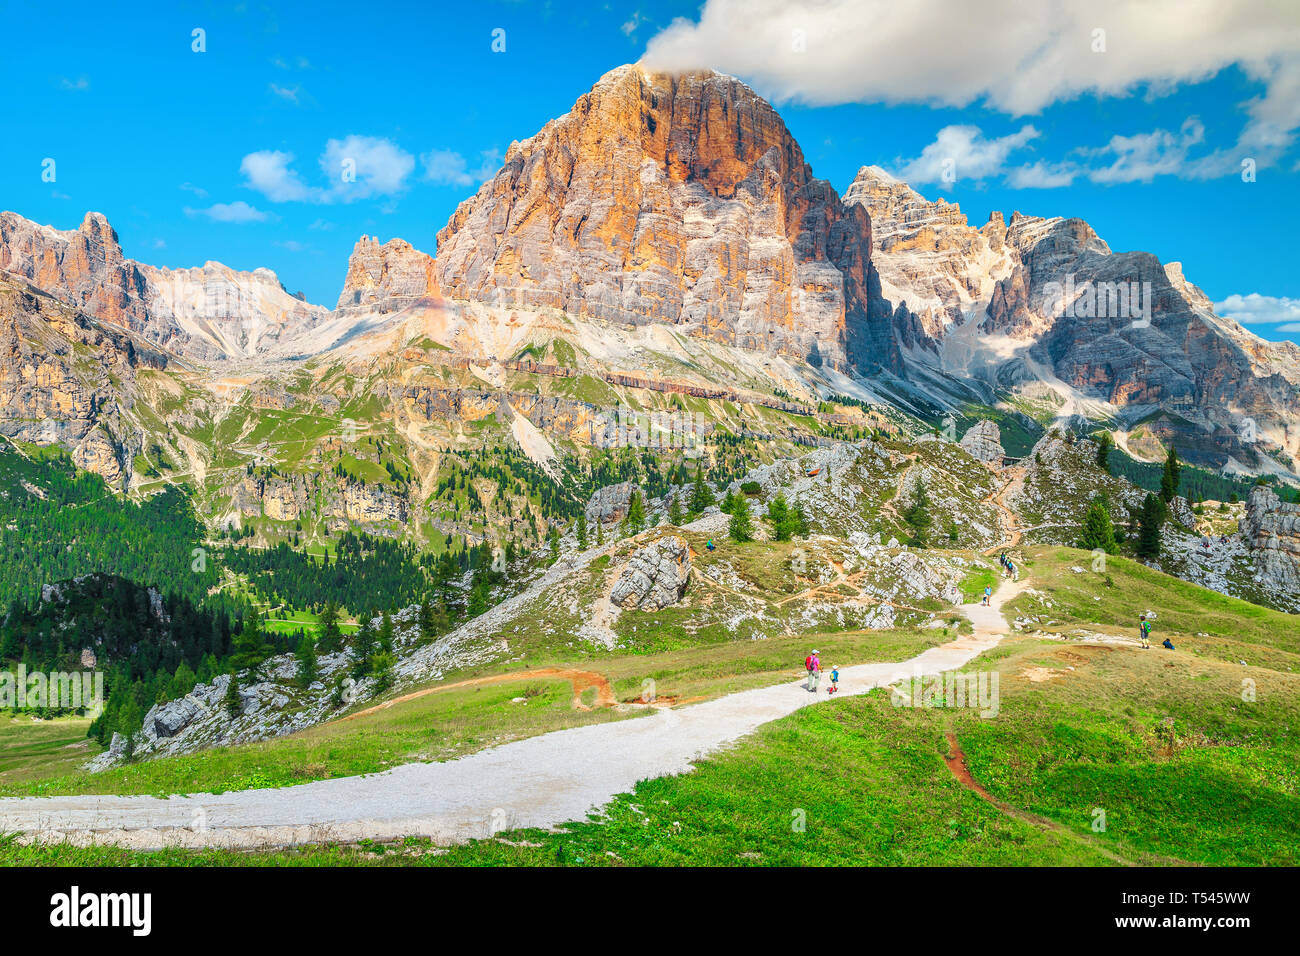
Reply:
x=1144, y=632
x=710, y=544
x=1168, y=643
x=988, y=593
x=1011, y=567
x=814, y=666
x=835, y=680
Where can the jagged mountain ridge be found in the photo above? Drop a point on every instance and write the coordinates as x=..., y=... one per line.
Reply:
x=682, y=204
x=206, y=313
x=1006, y=304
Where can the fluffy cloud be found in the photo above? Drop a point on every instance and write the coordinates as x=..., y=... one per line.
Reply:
x=964, y=153
x=449, y=168
x=1256, y=309
x=356, y=167
x=1142, y=157
x=1015, y=57
x=238, y=211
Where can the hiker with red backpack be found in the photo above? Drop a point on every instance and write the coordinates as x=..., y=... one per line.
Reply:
x=814, y=667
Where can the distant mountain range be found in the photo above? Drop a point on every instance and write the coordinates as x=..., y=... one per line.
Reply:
x=666, y=227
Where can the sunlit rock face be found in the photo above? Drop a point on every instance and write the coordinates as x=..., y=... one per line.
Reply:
x=676, y=199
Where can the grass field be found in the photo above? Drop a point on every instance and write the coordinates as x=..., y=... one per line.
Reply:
x=1099, y=754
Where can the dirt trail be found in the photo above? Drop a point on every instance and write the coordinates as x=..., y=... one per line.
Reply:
x=582, y=681
x=1010, y=523
x=956, y=761
x=541, y=781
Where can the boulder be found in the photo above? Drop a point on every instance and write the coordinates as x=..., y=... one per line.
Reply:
x=655, y=576
x=983, y=441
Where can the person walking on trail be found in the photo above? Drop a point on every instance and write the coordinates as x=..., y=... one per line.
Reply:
x=1144, y=632
x=814, y=666
x=835, y=680
x=988, y=593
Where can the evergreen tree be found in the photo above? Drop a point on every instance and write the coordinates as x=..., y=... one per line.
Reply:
x=674, y=510
x=1169, y=478
x=234, y=703
x=740, y=527
x=250, y=647
x=701, y=495
x=306, y=656
x=1098, y=529
x=385, y=637
x=580, y=529
x=635, y=512
x=1104, y=445
x=919, y=518
x=331, y=637
x=729, y=503
x=785, y=522
x=1152, y=517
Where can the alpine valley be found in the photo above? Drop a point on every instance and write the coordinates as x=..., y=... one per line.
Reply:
x=514, y=447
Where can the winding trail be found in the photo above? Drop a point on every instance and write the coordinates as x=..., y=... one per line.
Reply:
x=542, y=781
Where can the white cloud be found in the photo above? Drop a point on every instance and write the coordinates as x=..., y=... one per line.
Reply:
x=79, y=85
x=1142, y=157
x=1256, y=309
x=356, y=167
x=268, y=172
x=376, y=166
x=238, y=211
x=1013, y=56
x=962, y=152
x=449, y=168
x=287, y=93
x=1042, y=175
x=197, y=190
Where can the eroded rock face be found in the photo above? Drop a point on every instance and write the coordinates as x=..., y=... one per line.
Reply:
x=1119, y=327
x=610, y=503
x=1271, y=528
x=983, y=441
x=66, y=379
x=655, y=576
x=676, y=199
x=387, y=277
x=205, y=313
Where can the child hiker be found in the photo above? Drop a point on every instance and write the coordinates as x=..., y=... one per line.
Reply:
x=835, y=680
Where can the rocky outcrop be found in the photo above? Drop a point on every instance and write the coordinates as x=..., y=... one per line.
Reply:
x=205, y=313
x=675, y=199
x=387, y=277
x=68, y=380
x=1271, y=528
x=655, y=576
x=610, y=503
x=983, y=441
x=1035, y=300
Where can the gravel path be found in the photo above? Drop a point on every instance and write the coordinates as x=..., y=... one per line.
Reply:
x=539, y=782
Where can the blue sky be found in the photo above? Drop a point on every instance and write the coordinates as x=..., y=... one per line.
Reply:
x=218, y=154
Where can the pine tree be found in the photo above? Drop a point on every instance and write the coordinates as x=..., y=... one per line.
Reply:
x=918, y=516
x=1098, y=529
x=1104, y=445
x=784, y=520
x=250, y=647
x=1170, y=476
x=580, y=529
x=306, y=656
x=385, y=638
x=740, y=527
x=635, y=513
x=701, y=495
x=234, y=703
x=1152, y=517
x=331, y=637
x=729, y=502
x=674, y=510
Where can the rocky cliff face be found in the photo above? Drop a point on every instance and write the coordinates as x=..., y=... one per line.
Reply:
x=1046, y=300
x=675, y=199
x=69, y=380
x=1271, y=528
x=206, y=313
x=387, y=277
